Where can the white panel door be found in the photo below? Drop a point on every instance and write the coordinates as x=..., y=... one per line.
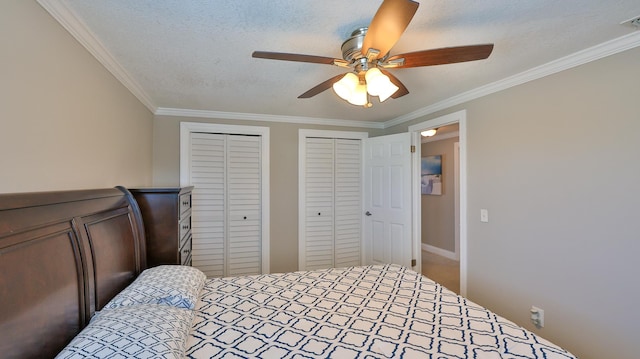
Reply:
x=387, y=199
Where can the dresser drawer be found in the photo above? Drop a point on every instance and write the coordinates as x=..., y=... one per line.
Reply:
x=185, y=227
x=185, y=203
x=185, y=252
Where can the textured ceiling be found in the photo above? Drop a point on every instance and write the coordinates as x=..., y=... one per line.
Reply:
x=196, y=54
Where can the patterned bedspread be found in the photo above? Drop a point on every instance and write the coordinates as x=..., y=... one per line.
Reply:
x=362, y=312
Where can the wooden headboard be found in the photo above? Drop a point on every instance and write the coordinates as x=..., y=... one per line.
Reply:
x=63, y=256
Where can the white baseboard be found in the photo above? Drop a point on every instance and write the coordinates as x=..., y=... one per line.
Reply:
x=441, y=252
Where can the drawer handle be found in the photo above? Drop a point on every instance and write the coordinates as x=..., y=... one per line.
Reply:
x=245, y=217
x=184, y=226
x=185, y=203
x=186, y=251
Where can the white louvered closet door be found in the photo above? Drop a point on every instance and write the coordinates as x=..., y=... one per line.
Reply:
x=348, y=203
x=319, y=178
x=226, y=213
x=244, y=251
x=333, y=203
x=208, y=163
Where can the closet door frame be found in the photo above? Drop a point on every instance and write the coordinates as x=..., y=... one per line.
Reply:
x=303, y=134
x=186, y=128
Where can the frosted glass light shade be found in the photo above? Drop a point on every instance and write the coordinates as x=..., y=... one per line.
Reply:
x=378, y=84
x=346, y=86
x=386, y=92
x=359, y=95
x=376, y=80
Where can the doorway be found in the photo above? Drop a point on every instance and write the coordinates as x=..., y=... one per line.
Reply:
x=444, y=260
x=439, y=237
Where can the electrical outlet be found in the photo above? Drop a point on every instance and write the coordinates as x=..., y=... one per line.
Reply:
x=537, y=316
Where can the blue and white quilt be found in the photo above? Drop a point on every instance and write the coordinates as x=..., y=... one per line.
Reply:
x=362, y=312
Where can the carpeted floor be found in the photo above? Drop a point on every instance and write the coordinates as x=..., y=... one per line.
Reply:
x=442, y=270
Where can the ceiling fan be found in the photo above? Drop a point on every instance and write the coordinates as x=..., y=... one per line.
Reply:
x=366, y=53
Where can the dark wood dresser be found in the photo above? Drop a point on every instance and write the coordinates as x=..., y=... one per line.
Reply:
x=166, y=213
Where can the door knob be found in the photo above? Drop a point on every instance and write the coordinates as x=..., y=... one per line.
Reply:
x=367, y=213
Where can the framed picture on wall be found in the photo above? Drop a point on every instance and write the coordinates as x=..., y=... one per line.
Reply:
x=431, y=175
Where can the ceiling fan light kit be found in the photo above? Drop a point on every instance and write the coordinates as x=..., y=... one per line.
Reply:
x=354, y=90
x=366, y=53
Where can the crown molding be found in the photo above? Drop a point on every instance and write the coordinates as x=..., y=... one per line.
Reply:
x=163, y=111
x=597, y=52
x=79, y=30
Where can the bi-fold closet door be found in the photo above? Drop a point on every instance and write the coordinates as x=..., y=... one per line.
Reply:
x=226, y=174
x=332, y=230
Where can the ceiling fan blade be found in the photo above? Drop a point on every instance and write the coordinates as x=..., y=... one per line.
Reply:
x=388, y=24
x=295, y=57
x=447, y=55
x=321, y=87
x=402, y=90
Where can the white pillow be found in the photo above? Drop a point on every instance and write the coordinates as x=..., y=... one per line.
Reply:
x=173, y=285
x=141, y=331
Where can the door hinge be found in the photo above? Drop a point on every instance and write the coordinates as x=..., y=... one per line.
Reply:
x=413, y=149
x=413, y=263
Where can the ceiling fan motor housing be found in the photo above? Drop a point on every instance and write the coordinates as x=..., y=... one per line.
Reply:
x=352, y=47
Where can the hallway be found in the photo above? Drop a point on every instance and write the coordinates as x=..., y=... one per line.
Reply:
x=442, y=270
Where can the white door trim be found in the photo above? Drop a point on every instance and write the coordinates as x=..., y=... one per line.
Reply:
x=186, y=128
x=456, y=201
x=302, y=163
x=459, y=117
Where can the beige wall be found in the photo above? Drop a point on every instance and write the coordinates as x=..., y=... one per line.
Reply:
x=438, y=212
x=556, y=163
x=283, y=171
x=65, y=121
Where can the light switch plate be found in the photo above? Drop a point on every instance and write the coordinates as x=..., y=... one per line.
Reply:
x=484, y=215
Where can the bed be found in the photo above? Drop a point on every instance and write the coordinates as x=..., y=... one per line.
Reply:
x=74, y=284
